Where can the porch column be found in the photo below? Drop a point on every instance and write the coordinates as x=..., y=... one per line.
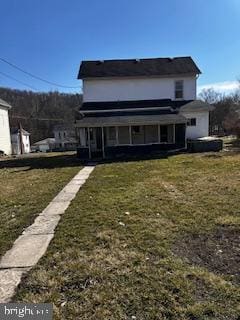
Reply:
x=103, y=150
x=89, y=144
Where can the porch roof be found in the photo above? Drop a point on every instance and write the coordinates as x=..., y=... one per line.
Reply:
x=132, y=104
x=130, y=120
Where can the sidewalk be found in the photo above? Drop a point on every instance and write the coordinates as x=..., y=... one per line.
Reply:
x=34, y=241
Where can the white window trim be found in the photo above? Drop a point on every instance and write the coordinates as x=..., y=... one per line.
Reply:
x=192, y=125
x=175, y=82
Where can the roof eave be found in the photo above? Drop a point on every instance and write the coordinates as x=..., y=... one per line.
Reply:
x=172, y=75
x=7, y=107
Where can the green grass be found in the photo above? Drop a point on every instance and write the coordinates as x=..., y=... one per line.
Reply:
x=106, y=264
x=27, y=186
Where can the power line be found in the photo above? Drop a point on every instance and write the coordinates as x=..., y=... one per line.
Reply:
x=12, y=78
x=37, y=77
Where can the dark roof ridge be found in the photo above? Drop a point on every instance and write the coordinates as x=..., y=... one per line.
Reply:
x=138, y=67
x=134, y=59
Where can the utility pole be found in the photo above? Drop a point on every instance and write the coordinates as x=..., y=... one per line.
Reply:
x=21, y=139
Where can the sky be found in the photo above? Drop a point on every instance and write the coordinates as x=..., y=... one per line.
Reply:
x=49, y=38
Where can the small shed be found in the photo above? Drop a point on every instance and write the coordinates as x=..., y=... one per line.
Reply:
x=45, y=145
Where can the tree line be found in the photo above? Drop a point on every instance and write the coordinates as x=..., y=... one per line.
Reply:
x=225, y=118
x=38, y=113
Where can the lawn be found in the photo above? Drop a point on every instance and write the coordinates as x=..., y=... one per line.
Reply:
x=27, y=186
x=155, y=239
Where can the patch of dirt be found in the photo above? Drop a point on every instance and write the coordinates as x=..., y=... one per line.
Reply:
x=172, y=190
x=219, y=252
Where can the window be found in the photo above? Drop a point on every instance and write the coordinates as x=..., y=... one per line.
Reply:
x=191, y=122
x=164, y=133
x=137, y=134
x=136, y=129
x=151, y=134
x=91, y=133
x=179, y=89
x=167, y=133
x=111, y=136
x=59, y=135
x=123, y=135
x=112, y=133
x=170, y=134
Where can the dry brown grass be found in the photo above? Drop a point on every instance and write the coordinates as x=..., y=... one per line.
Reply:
x=27, y=186
x=106, y=264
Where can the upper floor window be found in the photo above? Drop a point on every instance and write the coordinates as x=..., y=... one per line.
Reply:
x=179, y=89
x=191, y=122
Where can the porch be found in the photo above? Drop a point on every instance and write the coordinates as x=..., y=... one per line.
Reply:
x=135, y=139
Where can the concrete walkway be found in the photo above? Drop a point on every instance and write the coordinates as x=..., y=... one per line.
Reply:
x=33, y=243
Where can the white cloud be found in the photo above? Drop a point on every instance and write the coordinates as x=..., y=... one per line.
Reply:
x=223, y=87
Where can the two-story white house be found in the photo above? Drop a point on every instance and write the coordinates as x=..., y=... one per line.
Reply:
x=139, y=106
x=65, y=137
x=5, y=139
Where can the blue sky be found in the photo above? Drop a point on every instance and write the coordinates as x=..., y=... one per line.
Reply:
x=49, y=38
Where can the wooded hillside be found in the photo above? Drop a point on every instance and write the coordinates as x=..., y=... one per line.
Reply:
x=40, y=112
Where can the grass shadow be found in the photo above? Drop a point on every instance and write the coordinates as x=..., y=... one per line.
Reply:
x=120, y=158
x=46, y=161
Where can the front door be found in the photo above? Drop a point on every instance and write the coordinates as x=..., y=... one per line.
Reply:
x=96, y=139
x=99, y=139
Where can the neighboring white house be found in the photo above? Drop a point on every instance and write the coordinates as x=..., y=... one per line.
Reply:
x=45, y=145
x=20, y=139
x=139, y=105
x=5, y=139
x=65, y=137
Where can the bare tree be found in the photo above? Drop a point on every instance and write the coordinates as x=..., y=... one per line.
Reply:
x=210, y=96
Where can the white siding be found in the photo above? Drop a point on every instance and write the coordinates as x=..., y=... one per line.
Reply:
x=16, y=145
x=136, y=89
x=202, y=124
x=5, y=140
x=43, y=147
x=26, y=143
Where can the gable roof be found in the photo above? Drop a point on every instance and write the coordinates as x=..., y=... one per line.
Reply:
x=197, y=105
x=138, y=67
x=17, y=131
x=5, y=104
x=45, y=141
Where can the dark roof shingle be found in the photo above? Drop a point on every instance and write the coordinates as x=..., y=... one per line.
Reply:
x=131, y=119
x=113, y=105
x=138, y=67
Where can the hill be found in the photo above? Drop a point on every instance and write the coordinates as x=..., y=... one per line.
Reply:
x=40, y=112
